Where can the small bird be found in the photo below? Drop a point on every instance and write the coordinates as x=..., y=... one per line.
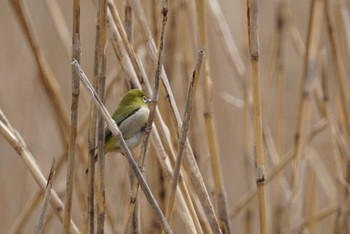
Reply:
x=131, y=117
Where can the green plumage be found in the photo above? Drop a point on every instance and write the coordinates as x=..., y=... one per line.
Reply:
x=131, y=117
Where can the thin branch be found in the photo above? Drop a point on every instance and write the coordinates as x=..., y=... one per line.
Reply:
x=191, y=92
x=210, y=128
x=101, y=63
x=76, y=54
x=253, y=30
x=31, y=204
x=39, y=225
x=305, y=110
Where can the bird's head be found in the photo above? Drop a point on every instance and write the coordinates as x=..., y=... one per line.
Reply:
x=135, y=97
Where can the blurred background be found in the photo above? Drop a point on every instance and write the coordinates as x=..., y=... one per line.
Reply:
x=30, y=110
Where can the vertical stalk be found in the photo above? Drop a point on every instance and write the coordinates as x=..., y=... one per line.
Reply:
x=135, y=219
x=311, y=201
x=91, y=169
x=252, y=13
x=219, y=191
x=304, y=112
x=280, y=111
x=192, y=88
x=339, y=67
x=247, y=151
x=40, y=223
x=280, y=29
x=101, y=82
x=76, y=54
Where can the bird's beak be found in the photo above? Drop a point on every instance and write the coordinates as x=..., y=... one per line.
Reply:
x=149, y=100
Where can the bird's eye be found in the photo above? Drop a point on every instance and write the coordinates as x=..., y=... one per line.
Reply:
x=144, y=99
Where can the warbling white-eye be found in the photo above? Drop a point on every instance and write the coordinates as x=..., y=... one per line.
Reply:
x=131, y=117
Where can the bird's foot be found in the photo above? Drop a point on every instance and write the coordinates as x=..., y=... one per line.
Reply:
x=148, y=128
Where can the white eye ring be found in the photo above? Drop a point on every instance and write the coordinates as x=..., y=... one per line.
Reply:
x=144, y=99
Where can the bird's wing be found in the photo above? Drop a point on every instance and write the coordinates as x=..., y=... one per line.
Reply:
x=119, y=116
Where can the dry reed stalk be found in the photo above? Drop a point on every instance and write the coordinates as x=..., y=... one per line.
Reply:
x=184, y=198
x=227, y=41
x=101, y=62
x=311, y=202
x=156, y=82
x=280, y=31
x=199, y=228
x=270, y=73
x=48, y=222
x=186, y=207
x=39, y=225
x=34, y=200
x=346, y=210
x=187, y=30
x=248, y=148
x=294, y=31
x=76, y=55
x=116, y=133
x=322, y=174
x=155, y=97
x=219, y=190
x=32, y=203
x=304, y=111
x=323, y=214
x=127, y=67
x=331, y=123
x=271, y=150
x=17, y=142
x=136, y=214
x=345, y=15
x=191, y=92
x=190, y=163
x=339, y=66
x=248, y=155
x=128, y=21
x=91, y=170
x=252, y=14
x=92, y=135
x=120, y=51
x=340, y=27
x=172, y=62
x=138, y=68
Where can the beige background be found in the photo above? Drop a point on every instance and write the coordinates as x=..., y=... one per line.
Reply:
x=23, y=100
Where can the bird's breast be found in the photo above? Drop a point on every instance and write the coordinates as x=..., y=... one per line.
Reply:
x=134, y=123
